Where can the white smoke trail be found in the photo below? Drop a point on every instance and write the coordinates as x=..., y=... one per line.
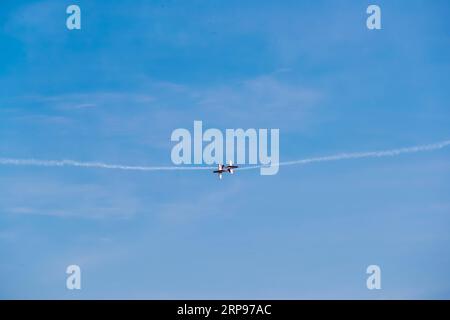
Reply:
x=341, y=156
x=100, y=165
x=358, y=155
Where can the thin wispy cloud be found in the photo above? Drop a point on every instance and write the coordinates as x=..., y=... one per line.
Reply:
x=24, y=196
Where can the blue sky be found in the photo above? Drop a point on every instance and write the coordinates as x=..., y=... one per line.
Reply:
x=116, y=89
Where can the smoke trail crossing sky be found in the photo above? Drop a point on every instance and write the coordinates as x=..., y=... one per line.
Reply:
x=99, y=165
x=369, y=154
x=341, y=156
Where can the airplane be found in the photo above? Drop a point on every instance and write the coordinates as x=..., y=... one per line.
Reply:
x=228, y=168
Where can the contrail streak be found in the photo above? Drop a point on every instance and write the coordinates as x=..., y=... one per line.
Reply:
x=358, y=155
x=100, y=165
x=341, y=156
